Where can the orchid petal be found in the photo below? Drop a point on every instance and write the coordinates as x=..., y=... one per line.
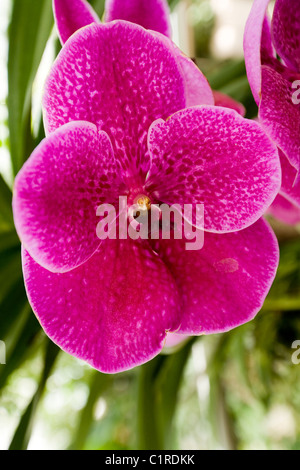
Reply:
x=57, y=192
x=71, y=16
x=257, y=45
x=151, y=14
x=213, y=156
x=285, y=210
x=286, y=32
x=290, y=186
x=197, y=88
x=226, y=101
x=278, y=114
x=174, y=339
x=224, y=284
x=119, y=77
x=113, y=311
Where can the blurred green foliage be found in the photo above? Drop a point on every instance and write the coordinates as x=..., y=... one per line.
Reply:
x=220, y=391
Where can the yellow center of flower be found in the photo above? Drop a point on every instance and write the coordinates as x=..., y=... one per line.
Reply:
x=144, y=203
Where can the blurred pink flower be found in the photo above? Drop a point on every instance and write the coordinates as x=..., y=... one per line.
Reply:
x=272, y=81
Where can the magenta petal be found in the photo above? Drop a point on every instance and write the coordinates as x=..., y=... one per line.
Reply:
x=113, y=311
x=290, y=186
x=224, y=284
x=257, y=43
x=226, y=101
x=285, y=210
x=71, y=16
x=286, y=32
x=278, y=114
x=151, y=14
x=267, y=49
x=213, y=156
x=119, y=77
x=174, y=339
x=197, y=88
x=57, y=192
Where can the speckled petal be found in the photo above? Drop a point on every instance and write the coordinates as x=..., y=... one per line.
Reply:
x=286, y=32
x=57, y=192
x=257, y=45
x=151, y=14
x=71, y=16
x=224, y=284
x=119, y=77
x=113, y=311
x=226, y=101
x=212, y=156
x=285, y=210
x=197, y=88
x=278, y=114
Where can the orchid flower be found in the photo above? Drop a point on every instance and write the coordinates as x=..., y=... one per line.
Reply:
x=152, y=15
x=117, y=123
x=272, y=81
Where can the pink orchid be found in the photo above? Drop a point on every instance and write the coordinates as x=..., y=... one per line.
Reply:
x=117, y=124
x=151, y=14
x=273, y=83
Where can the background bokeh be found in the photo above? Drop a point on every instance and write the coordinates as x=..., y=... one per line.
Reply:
x=237, y=390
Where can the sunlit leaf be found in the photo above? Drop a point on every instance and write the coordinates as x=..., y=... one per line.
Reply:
x=23, y=432
x=29, y=31
x=149, y=433
x=12, y=306
x=168, y=385
x=98, y=384
x=6, y=218
x=21, y=347
x=159, y=382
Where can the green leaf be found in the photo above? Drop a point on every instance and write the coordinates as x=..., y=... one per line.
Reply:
x=11, y=307
x=172, y=4
x=225, y=73
x=29, y=31
x=149, y=432
x=19, y=348
x=168, y=385
x=98, y=6
x=23, y=432
x=9, y=241
x=13, y=298
x=282, y=304
x=98, y=384
x=6, y=218
x=10, y=271
x=12, y=291
x=158, y=387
